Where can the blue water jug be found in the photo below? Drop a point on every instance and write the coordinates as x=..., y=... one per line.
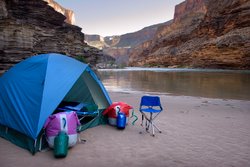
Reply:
x=121, y=120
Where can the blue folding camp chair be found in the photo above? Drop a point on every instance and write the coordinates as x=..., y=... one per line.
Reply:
x=150, y=108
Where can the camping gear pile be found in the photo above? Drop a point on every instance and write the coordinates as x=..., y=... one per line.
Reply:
x=61, y=132
x=118, y=114
x=46, y=99
x=62, y=122
x=32, y=90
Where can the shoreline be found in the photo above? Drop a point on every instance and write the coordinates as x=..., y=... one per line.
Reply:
x=169, y=94
x=166, y=69
x=196, y=131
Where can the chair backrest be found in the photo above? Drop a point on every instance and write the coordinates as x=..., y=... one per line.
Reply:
x=151, y=101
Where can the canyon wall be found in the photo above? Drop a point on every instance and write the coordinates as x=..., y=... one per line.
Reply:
x=26, y=30
x=187, y=7
x=69, y=14
x=204, y=34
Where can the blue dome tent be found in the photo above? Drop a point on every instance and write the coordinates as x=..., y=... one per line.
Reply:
x=34, y=88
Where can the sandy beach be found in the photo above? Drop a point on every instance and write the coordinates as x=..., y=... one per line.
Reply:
x=196, y=132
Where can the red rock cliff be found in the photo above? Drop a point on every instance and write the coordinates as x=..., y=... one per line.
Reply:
x=26, y=30
x=218, y=38
x=69, y=14
x=189, y=6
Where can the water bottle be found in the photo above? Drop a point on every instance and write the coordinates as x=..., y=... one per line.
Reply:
x=121, y=120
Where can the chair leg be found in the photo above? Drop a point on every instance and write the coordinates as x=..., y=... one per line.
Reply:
x=149, y=124
x=157, y=128
x=155, y=125
x=153, y=130
x=142, y=118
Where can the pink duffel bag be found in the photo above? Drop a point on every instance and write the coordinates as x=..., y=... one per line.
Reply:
x=63, y=121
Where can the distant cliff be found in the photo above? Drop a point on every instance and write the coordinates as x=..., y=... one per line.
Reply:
x=119, y=46
x=204, y=34
x=33, y=27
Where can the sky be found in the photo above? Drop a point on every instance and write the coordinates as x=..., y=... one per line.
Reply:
x=117, y=17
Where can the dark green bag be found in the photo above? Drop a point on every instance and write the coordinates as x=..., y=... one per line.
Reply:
x=90, y=108
x=61, y=145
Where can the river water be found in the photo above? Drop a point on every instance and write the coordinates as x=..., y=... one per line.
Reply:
x=225, y=84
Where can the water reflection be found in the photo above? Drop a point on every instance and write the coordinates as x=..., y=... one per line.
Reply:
x=232, y=85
